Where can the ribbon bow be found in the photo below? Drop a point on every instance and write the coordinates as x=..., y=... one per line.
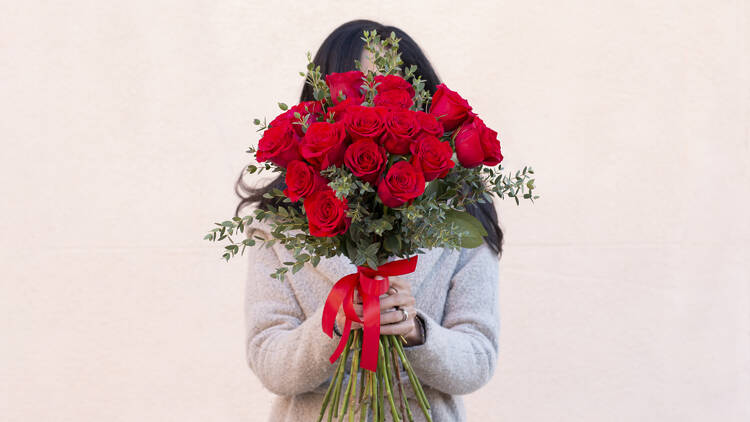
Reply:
x=370, y=289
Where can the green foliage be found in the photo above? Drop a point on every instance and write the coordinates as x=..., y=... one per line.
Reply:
x=384, y=52
x=472, y=230
x=315, y=79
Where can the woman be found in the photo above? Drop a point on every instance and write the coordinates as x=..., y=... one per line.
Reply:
x=446, y=309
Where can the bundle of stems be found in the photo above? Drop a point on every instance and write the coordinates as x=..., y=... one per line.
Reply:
x=376, y=389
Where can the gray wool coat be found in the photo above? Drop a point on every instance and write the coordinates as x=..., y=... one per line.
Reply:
x=457, y=298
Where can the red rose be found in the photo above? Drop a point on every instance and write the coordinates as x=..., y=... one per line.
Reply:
x=450, y=109
x=347, y=83
x=365, y=122
x=278, y=145
x=477, y=144
x=432, y=156
x=401, y=127
x=312, y=108
x=393, y=92
x=366, y=159
x=429, y=124
x=402, y=183
x=340, y=110
x=395, y=99
x=326, y=214
x=302, y=180
x=324, y=144
x=393, y=82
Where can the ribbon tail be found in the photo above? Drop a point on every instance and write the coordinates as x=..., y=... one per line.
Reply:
x=342, y=342
x=335, y=298
x=371, y=333
x=348, y=306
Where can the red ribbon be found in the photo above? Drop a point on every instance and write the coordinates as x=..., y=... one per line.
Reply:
x=370, y=289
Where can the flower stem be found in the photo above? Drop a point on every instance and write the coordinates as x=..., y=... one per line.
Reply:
x=403, y=400
x=331, y=388
x=382, y=361
x=352, y=385
x=416, y=386
x=367, y=389
x=334, y=413
x=375, y=404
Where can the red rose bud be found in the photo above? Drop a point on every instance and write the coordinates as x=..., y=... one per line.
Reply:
x=326, y=214
x=347, y=83
x=401, y=127
x=312, y=108
x=340, y=110
x=302, y=180
x=365, y=122
x=278, y=145
x=429, y=124
x=402, y=183
x=449, y=107
x=366, y=159
x=477, y=144
x=432, y=156
x=324, y=144
x=394, y=99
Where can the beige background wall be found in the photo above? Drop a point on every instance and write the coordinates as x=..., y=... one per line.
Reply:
x=624, y=291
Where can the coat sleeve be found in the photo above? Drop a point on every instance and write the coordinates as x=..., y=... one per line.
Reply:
x=286, y=350
x=459, y=354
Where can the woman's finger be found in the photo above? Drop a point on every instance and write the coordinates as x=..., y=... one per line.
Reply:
x=400, y=299
x=400, y=284
x=396, y=316
x=399, y=329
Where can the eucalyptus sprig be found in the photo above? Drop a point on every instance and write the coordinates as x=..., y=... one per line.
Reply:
x=315, y=79
x=384, y=51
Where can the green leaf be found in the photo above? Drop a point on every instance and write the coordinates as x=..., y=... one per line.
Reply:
x=392, y=243
x=248, y=242
x=298, y=266
x=351, y=249
x=372, y=249
x=432, y=189
x=283, y=106
x=470, y=226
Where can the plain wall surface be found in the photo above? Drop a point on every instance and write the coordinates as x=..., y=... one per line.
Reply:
x=624, y=290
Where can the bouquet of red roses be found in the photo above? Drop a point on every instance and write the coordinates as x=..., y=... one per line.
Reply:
x=382, y=170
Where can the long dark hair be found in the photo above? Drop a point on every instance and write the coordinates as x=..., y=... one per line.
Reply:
x=337, y=54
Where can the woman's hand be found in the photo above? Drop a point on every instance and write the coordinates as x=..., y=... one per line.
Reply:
x=392, y=306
